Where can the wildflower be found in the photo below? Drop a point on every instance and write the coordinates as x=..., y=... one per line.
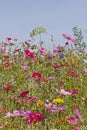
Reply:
x=75, y=128
x=11, y=97
x=61, y=83
x=58, y=65
x=23, y=94
x=40, y=102
x=53, y=108
x=43, y=80
x=50, y=57
x=36, y=75
x=6, y=64
x=23, y=58
x=29, y=53
x=9, y=39
x=27, y=43
x=75, y=106
x=58, y=100
x=63, y=92
x=43, y=51
x=71, y=120
x=25, y=68
x=77, y=113
x=34, y=117
x=51, y=78
x=8, y=87
x=6, y=57
x=74, y=91
x=31, y=98
x=69, y=38
x=58, y=49
x=61, y=56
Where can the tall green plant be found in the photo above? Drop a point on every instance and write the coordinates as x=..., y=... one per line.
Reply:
x=38, y=31
x=79, y=38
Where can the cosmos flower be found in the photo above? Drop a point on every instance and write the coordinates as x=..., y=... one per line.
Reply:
x=34, y=118
x=69, y=38
x=36, y=75
x=23, y=94
x=29, y=53
x=63, y=92
x=25, y=67
x=9, y=38
x=6, y=64
x=77, y=113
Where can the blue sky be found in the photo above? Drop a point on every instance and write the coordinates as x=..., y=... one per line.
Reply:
x=19, y=17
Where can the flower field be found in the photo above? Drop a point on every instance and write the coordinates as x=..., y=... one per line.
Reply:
x=42, y=89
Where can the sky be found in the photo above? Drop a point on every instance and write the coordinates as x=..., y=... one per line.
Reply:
x=19, y=17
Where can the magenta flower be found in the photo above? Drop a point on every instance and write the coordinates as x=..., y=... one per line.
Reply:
x=29, y=53
x=23, y=94
x=72, y=120
x=74, y=91
x=34, y=117
x=36, y=75
x=69, y=38
x=31, y=98
x=9, y=38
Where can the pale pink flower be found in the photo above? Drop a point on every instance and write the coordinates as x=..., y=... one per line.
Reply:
x=25, y=67
x=85, y=71
x=63, y=92
x=69, y=38
x=77, y=113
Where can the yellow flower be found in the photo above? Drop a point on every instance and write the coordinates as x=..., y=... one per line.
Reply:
x=40, y=102
x=58, y=100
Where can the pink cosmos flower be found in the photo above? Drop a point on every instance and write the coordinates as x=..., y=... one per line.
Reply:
x=29, y=53
x=23, y=94
x=34, y=117
x=69, y=38
x=9, y=38
x=23, y=58
x=53, y=108
x=18, y=113
x=25, y=67
x=71, y=120
x=63, y=92
x=36, y=75
x=77, y=113
x=43, y=51
x=27, y=43
x=75, y=128
x=58, y=49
